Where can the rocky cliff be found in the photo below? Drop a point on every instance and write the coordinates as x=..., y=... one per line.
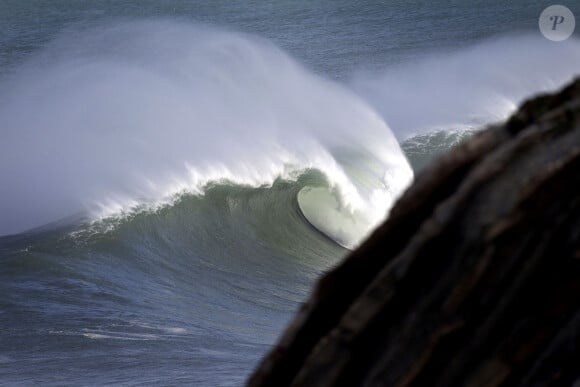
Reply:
x=474, y=280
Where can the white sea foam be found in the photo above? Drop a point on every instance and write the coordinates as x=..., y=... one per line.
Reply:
x=129, y=115
x=120, y=336
x=175, y=330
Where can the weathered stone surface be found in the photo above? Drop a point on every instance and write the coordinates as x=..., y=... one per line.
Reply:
x=474, y=280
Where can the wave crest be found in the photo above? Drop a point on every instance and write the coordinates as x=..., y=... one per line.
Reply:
x=136, y=113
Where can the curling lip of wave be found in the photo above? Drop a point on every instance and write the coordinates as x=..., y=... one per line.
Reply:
x=138, y=112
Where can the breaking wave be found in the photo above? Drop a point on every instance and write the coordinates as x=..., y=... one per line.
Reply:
x=131, y=116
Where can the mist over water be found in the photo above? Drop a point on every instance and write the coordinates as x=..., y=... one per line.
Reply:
x=469, y=87
x=111, y=117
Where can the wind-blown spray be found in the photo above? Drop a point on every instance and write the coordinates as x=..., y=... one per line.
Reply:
x=125, y=115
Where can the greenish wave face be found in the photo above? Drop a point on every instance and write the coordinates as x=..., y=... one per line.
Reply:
x=208, y=280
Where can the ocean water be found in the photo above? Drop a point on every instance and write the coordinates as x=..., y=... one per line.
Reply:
x=175, y=175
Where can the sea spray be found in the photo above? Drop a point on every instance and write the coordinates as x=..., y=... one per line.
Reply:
x=112, y=117
x=467, y=88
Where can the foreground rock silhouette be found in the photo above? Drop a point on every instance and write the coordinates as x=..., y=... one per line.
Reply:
x=474, y=280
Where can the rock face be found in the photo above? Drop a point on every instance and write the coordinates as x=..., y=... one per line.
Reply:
x=474, y=280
